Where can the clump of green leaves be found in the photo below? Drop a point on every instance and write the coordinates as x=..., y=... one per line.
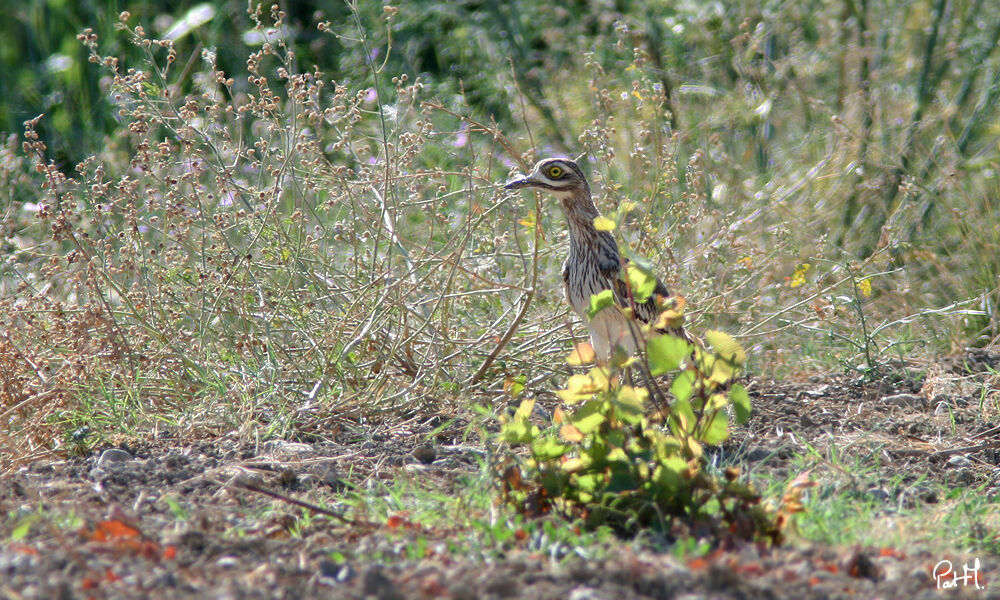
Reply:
x=624, y=455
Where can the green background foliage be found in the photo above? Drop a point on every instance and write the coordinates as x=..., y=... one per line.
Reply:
x=887, y=110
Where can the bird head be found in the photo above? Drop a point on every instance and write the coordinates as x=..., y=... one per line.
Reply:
x=561, y=176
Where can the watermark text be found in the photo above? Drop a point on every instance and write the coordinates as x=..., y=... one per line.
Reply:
x=947, y=577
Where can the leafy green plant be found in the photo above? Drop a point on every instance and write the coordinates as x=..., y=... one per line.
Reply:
x=618, y=454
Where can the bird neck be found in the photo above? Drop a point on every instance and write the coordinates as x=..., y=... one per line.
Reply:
x=580, y=214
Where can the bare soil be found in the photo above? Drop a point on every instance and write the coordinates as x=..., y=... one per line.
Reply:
x=173, y=518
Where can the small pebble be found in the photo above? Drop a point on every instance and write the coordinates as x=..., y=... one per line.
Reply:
x=964, y=476
x=904, y=400
x=425, y=453
x=878, y=494
x=287, y=476
x=377, y=583
x=818, y=392
x=113, y=456
x=585, y=593
x=959, y=461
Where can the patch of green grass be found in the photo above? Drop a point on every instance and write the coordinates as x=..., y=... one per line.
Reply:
x=23, y=524
x=858, y=502
x=416, y=519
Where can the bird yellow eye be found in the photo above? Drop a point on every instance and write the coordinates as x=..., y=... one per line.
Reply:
x=555, y=172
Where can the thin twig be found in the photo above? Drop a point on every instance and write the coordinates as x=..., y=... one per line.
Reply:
x=306, y=505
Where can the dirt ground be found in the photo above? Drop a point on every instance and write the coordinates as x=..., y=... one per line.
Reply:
x=178, y=519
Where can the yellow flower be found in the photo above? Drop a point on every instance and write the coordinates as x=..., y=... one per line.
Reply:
x=799, y=276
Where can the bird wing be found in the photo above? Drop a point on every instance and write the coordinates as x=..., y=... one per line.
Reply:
x=646, y=311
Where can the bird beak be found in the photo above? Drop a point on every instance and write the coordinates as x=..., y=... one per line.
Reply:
x=516, y=184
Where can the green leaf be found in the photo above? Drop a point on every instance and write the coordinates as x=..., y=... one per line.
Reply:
x=717, y=430
x=622, y=479
x=717, y=401
x=525, y=409
x=666, y=352
x=683, y=385
x=615, y=438
x=604, y=224
x=669, y=473
x=515, y=432
x=596, y=455
x=642, y=282
x=629, y=403
x=676, y=464
x=514, y=385
x=588, y=417
x=589, y=482
x=726, y=347
x=722, y=371
x=599, y=378
x=741, y=403
x=548, y=448
x=578, y=388
x=682, y=419
x=520, y=430
x=667, y=447
x=599, y=302
x=21, y=530
x=554, y=481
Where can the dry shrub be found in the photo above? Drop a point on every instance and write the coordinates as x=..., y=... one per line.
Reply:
x=255, y=253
